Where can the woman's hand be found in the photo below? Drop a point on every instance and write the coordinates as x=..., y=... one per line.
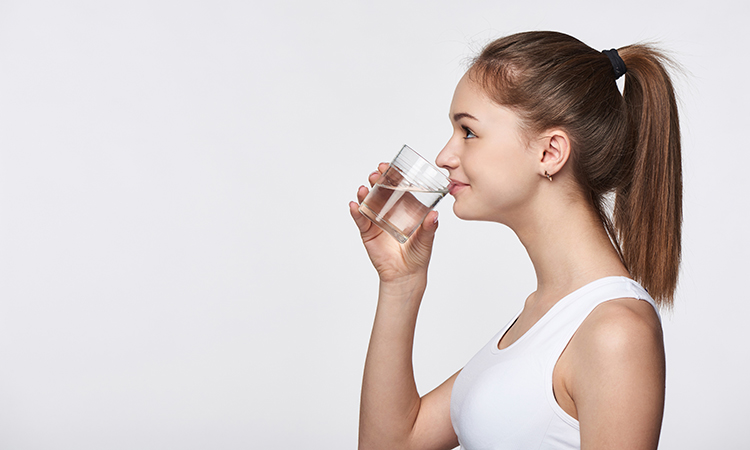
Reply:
x=394, y=261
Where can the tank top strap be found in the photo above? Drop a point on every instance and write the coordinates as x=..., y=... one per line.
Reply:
x=574, y=309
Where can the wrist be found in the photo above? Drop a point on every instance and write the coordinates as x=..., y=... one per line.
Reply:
x=405, y=282
x=410, y=287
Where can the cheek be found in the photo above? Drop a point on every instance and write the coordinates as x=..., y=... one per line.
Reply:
x=502, y=185
x=493, y=175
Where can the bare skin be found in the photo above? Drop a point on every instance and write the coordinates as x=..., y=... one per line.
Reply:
x=611, y=375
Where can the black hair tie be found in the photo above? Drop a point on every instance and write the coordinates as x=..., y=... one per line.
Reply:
x=617, y=63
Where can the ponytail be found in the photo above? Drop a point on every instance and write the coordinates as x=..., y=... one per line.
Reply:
x=648, y=203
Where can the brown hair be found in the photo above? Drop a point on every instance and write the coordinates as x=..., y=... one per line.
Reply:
x=627, y=145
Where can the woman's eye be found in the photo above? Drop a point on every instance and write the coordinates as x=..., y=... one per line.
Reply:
x=469, y=134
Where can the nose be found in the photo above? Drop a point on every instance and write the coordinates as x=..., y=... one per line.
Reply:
x=447, y=158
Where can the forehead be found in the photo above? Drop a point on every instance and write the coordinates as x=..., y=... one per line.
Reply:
x=467, y=94
x=470, y=98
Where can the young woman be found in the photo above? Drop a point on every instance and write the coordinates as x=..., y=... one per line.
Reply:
x=542, y=140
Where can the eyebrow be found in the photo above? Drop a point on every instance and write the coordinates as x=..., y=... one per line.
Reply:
x=459, y=116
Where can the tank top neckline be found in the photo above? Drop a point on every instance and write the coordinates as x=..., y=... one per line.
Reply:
x=550, y=313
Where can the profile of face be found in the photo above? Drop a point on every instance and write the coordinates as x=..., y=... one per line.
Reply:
x=494, y=166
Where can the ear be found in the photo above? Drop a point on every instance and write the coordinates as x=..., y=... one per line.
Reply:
x=555, y=151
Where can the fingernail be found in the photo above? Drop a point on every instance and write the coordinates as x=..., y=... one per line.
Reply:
x=436, y=217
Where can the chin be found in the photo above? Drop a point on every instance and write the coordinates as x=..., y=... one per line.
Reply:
x=464, y=213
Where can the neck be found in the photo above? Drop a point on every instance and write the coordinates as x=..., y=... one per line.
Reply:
x=568, y=246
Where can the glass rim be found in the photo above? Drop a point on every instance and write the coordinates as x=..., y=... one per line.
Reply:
x=434, y=177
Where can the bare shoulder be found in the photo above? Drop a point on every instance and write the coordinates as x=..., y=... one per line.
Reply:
x=617, y=376
x=621, y=325
x=620, y=338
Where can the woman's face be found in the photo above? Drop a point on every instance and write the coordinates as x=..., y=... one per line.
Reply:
x=491, y=163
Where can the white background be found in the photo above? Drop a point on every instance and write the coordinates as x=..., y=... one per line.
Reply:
x=177, y=264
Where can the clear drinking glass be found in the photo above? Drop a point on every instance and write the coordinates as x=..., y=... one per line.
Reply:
x=404, y=194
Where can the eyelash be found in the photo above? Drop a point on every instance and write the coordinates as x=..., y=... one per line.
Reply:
x=468, y=132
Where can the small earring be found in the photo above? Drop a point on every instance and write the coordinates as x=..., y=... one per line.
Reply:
x=549, y=177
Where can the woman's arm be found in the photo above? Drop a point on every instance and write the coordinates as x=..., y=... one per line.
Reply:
x=392, y=415
x=617, y=379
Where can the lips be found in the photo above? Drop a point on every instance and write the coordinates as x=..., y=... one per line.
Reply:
x=456, y=186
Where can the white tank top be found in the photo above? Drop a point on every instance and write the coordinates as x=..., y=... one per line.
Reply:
x=503, y=399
